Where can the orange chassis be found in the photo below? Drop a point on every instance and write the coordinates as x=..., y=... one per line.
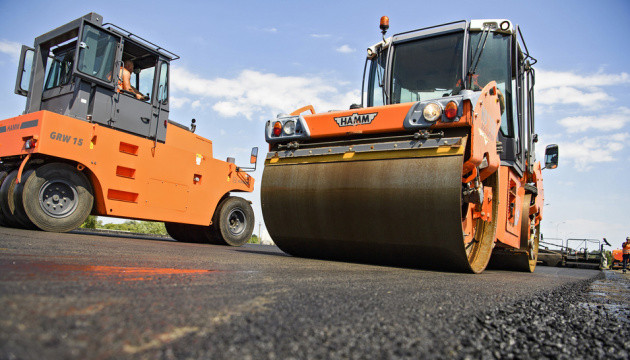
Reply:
x=132, y=177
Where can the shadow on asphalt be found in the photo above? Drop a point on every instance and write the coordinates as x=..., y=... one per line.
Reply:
x=260, y=252
x=123, y=235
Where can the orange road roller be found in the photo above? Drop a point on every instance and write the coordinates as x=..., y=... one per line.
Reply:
x=93, y=140
x=434, y=169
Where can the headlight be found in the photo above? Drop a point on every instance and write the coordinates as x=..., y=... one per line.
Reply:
x=432, y=112
x=289, y=127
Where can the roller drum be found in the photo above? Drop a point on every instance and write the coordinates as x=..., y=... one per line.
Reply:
x=403, y=212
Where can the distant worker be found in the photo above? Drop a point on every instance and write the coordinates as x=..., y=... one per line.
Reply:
x=125, y=80
x=626, y=253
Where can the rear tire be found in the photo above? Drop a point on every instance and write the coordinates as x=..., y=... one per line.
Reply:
x=235, y=220
x=7, y=204
x=3, y=175
x=174, y=230
x=57, y=197
x=186, y=232
x=20, y=213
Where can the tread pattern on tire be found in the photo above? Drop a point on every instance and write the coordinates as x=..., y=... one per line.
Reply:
x=3, y=175
x=7, y=205
x=57, y=171
x=223, y=211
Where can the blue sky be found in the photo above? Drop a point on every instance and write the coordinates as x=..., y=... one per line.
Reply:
x=243, y=62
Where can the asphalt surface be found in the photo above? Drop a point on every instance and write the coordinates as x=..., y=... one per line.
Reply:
x=105, y=297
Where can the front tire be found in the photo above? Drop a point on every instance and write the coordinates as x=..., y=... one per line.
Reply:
x=57, y=197
x=235, y=220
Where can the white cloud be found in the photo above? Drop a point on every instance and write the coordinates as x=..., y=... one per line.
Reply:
x=10, y=48
x=586, y=90
x=258, y=95
x=270, y=30
x=345, y=49
x=179, y=102
x=569, y=95
x=554, y=79
x=605, y=122
x=585, y=152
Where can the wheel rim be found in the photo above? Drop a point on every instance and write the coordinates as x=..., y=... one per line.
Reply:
x=58, y=198
x=236, y=222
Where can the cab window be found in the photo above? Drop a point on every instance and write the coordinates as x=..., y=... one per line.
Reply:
x=97, y=50
x=59, y=69
x=142, y=79
x=163, y=86
x=376, y=96
x=427, y=68
x=494, y=65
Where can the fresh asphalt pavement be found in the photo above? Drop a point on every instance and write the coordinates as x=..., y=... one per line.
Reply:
x=99, y=297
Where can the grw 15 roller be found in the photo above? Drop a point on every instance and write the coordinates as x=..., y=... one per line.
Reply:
x=434, y=169
x=86, y=144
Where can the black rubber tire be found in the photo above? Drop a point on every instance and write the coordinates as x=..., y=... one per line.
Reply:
x=173, y=230
x=235, y=220
x=67, y=177
x=7, y=204
x=186, y=232
x=20, y=213
x=211, y=232
x=213, y=235
x=196, y=233
x=3, y=175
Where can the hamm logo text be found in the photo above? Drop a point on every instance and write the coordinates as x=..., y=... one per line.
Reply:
x=355, y=119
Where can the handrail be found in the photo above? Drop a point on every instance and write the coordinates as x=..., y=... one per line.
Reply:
x=146, y=42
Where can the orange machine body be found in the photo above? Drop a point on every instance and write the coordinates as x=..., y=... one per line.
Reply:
x=133, y=177
x=483, y=123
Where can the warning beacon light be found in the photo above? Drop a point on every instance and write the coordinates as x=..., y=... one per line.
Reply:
x=384, y=25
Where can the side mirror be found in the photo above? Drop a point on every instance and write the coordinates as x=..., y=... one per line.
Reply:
x=254, y=157
x=252, y=160
x=551, y=156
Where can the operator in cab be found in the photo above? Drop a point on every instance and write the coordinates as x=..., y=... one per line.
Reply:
x=124, y=82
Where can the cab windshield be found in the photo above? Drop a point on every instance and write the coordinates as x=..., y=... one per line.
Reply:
x=494, y=65
x=428, y=68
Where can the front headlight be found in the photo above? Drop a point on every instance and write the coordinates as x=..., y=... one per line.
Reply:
x=289, y=127
x=432, y=112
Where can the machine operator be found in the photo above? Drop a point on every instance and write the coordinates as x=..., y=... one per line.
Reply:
x=125, y=81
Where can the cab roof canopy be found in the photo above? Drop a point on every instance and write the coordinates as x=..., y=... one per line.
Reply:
x=136, y=47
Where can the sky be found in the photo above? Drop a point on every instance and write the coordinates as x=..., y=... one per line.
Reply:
x=244, y=62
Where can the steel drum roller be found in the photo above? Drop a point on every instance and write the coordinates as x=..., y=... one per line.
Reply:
x=406, y=212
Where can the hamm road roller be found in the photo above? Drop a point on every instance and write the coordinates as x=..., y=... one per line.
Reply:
x=86, y=144
x=434, y=169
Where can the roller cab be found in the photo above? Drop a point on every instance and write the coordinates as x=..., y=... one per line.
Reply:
x=434, y=169
x=87, y=144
